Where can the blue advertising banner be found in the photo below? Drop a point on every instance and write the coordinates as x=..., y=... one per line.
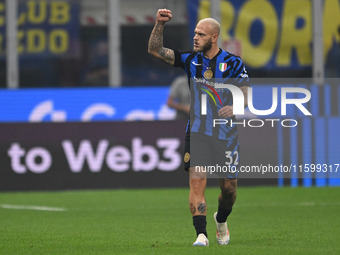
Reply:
x=45, y=28
x=150, y=103
x=272, y=34
x=102, y=104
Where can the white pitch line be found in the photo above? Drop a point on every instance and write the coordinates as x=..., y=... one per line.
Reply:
x=307, y=204
x=33, y=207
x=285, y=205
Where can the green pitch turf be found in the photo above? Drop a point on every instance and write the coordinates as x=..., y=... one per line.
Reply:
x=264, y=221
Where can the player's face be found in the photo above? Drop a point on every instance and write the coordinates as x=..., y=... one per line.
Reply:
x=203, y=37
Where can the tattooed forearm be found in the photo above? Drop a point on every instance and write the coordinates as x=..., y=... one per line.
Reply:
x=156, y=45
x=156, y=38
x=202, y=208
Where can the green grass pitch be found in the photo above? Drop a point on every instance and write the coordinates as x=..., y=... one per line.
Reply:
x=265, y=220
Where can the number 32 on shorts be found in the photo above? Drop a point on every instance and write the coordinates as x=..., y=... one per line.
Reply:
x=232, y=158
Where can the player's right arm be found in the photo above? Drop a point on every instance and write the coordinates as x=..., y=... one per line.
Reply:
x=156, y=38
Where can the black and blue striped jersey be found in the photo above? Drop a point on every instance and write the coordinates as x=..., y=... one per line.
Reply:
x=203, y=74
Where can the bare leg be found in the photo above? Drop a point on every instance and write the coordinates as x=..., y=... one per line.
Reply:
x=198, y=206
x=227, y=196
x=226, y=201
x=198, y=182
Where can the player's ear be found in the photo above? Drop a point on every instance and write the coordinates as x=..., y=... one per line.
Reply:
x=214, y=37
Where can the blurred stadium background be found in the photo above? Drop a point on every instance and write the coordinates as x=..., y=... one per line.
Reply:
x=83, y=107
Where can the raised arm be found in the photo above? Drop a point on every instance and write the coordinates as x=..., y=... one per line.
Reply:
x=156, y=38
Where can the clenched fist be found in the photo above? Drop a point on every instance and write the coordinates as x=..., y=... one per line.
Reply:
x=163, y=15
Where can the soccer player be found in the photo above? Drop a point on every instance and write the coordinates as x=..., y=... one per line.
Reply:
x=179, y=98
x=206, y=64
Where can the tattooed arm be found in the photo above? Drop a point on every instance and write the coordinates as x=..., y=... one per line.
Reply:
x=156, y=38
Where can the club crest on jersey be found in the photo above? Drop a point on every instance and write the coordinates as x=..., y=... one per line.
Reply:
x=208, y=74
x=223, y=67
x=186, y=157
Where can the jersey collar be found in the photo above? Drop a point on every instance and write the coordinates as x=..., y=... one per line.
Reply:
x=218, y=53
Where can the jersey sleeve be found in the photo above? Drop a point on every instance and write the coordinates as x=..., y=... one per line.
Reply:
x=240, y=75
x=180, y=58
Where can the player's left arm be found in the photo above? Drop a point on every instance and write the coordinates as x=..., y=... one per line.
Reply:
x=242, y=81
x=245, y=94
x=227, y=111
